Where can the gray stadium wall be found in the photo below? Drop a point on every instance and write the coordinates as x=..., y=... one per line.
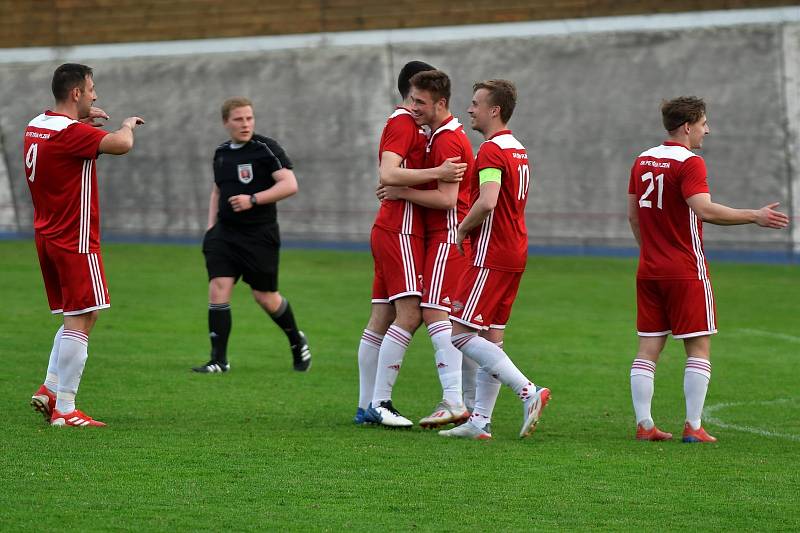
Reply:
x=588, y=104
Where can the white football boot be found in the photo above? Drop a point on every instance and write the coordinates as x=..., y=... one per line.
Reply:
x=386, y=415
x=532, y=410
x=445, y=413
x=468, y=430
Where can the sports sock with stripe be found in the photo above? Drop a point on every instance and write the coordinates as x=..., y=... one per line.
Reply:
x=367, y=366
x=494, y=361
x=448, y=361
x=219, y=329
x=390, y=359
x=51, y=380
x=284, y=318
x=696, y=377
x=72, y=355
x=643, y=373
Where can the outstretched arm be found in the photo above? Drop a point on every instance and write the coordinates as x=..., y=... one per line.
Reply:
x=722, y=215
x=121, y=141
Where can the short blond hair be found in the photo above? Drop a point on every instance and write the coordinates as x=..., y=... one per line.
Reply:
x=233, y=103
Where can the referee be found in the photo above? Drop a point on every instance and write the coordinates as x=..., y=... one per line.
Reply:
x=251, y=174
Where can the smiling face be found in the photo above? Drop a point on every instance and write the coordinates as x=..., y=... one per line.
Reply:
x=482, y=111
x=697, y=132
x=241, y=124
x=425, y=110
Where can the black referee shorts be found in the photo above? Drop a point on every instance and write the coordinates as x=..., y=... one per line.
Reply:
x=250, y=253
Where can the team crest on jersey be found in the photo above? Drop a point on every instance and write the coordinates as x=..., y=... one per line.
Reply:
x=245, y=173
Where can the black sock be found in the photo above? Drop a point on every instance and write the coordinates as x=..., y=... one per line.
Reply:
x=219, y=328
x=285, y=320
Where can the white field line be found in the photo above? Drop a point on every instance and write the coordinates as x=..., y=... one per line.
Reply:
x=708, y=417
x=768, y=334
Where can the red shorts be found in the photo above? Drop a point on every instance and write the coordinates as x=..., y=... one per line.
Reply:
x=683, y=307
x=485, y=297
x=398, y=265
x=444, y=268
x=75, y=283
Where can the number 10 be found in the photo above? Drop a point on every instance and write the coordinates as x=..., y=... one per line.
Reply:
x=643, y=202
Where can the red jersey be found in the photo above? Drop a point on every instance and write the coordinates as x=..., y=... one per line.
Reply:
x=449, y=140
x=501, y=241
x=405, y=138
x=662, y=178
x=60, y=156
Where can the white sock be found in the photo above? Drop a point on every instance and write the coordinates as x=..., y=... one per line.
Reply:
x=695, y=385
x=469, y=370
x=51, y=380
x=72, y=355
x=642, y=377
x=448, y=361
x=367, y=366
x=494, y=361
x=390, y=358
x=488, y=388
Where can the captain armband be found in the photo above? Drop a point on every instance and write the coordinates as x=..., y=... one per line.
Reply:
x=489, y=174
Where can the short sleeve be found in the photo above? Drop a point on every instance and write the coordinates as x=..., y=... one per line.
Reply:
x=279, y=152
x=82, y=140
x=399, y=135
x=490, y=156
x=693, y=177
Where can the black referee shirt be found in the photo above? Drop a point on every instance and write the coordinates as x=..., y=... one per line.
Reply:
x=248, y=170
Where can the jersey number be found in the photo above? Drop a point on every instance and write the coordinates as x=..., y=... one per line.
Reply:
x=524, y=173
x=643, y=201
x=30, y=160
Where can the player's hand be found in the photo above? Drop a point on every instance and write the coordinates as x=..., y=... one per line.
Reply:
x=132, y=122
x=767, y=217
x=95, y=113
x=240, y=202
x=460, y=236
x=389, y=192
x=451, y=170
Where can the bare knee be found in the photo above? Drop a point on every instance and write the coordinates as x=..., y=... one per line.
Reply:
x=83, y=322
x=269, y=301
x=219, y=290
x=408, y=314
x=381, y=317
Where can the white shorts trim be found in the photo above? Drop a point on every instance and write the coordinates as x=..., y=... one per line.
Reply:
x=497, y=326
x=695, y=334
x=655, y=334
x=403, y=295
x=56, y=311
x=380, y=301
x=87, y=310
x=469, y=324
x=434, y=306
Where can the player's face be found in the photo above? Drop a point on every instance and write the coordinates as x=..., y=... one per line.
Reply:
x=241, y=124
x=423, y=107
x=481, y=110
x=86, y=97
x=697, y=131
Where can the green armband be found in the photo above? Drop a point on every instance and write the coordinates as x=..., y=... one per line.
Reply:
x=489, y=174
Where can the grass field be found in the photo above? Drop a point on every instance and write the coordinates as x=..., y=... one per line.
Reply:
x=264, y=447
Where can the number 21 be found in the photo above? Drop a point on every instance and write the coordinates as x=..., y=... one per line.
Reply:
x=643, y=202
x=30, y=160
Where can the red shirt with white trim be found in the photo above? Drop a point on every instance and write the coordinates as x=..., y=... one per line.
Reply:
x=449, y=140
x=405, y=138
x=662, y=178
x=501, y=241
x=60, y=156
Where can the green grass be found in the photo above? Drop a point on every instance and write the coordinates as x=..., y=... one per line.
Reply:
x=264, y=447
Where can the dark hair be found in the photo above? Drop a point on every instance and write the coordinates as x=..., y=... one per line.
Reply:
x=67, y=77
x=435, y=82
x=502, y=93
x=678, y=111
x=406, y=73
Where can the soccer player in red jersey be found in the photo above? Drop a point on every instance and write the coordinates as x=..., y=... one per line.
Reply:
x=397, y=249
x=499, y=250
x=60, y=154
x=444, y=205
x=668, y=199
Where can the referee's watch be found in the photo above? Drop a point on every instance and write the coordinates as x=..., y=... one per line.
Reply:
x=253, y=199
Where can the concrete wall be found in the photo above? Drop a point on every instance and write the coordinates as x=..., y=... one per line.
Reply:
x=588, y=104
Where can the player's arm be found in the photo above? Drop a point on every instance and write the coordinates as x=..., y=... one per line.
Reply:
x=213, y=206
x=723, y=215
x=284, y=187
x=445, y=196
x=121, y=141
x=392, y=173
x=487, y=200
x=633, y=218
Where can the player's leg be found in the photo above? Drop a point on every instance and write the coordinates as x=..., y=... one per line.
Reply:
x=692, y=308
x=279, y=309
x=653, y=326
x=489, y=298
x=381, y=317
x=223, y=272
